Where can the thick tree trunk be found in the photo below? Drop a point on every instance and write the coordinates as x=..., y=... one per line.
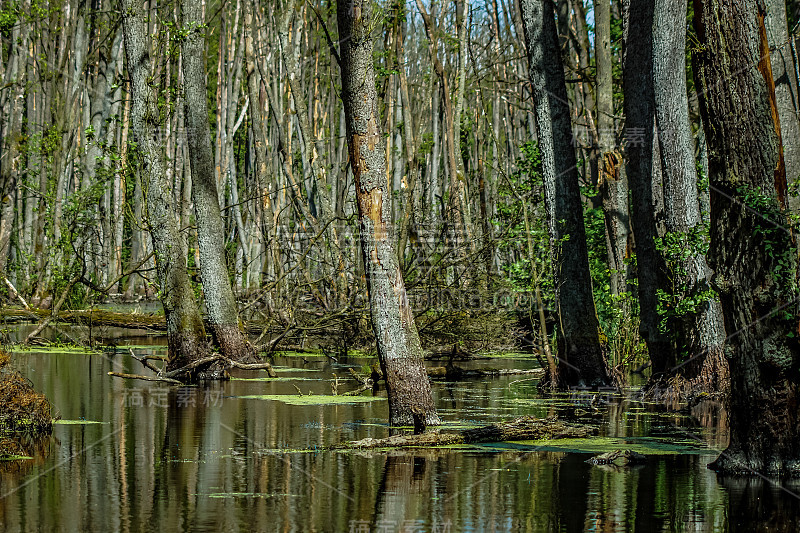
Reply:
x=396, y=334
x=185, y=331
x=217, y=291
x=643, y=169
x=582, y=361
x=698, y=330
x=752, y=253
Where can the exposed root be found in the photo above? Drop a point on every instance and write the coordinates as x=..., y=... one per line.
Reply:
x=208, y=368
x=704, y=378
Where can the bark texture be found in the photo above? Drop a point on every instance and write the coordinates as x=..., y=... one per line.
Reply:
x=185, y=331
x=752, y=253
x=611, y=175
x=643, y=169
x=784, y=73
x=223, y=316
x=396, y=334
x=698, y=330
x=580, y=351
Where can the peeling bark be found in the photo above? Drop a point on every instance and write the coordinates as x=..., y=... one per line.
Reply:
x=396, y=334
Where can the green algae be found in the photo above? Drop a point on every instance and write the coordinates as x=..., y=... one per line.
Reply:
x=313, y=399
x=14, y=457
x=267, y=380
x=76, y=422
x=247, y=495
x=597, y=445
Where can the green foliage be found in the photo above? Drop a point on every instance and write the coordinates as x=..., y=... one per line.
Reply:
x=523, y=190
x=773, y=228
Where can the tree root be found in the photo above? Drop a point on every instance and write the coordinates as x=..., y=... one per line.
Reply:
x=188, y=373
x=524, y=428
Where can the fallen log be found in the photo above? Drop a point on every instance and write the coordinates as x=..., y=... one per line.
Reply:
x=524, y=428
x=455, y=373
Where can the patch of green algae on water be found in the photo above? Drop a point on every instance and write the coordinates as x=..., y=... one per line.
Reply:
x=596, y=445
x=76, y=422
x=313, y=399
x=276, y=379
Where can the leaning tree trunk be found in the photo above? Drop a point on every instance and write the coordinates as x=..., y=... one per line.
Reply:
x=396, y=334
x=185, y=331
x=223, y=316
x=697, y=330
x=752, y=253
x=644, y=174
x=581, y=355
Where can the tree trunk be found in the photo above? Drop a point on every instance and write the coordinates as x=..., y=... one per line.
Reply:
x=611, y=178
x=784, y=74
x=396, y=334
x=582, y=361
x=752, y=253
x=185, y=331
x=220, y=302
x=698, y=329
x=643, y=169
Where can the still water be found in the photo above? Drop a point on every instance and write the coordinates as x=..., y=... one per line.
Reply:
x=142, y=456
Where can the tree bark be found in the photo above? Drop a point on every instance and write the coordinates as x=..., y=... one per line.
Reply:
x=396, y=334
x=643, y=168
x=185, y=331
x=784, y=73
x=611, y=176
x=217, y=291
x=698, y=330
x=752, y=253
x=580, y=351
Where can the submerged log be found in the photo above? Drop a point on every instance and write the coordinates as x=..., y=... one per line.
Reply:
x=618, y=458
x=524, y=428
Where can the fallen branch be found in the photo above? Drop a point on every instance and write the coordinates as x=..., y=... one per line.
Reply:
x=146, y=378
x=524, y=428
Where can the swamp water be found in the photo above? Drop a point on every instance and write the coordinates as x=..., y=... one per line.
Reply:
x=244, y=456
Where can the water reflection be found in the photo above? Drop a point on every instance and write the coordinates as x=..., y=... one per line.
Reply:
x=205, y=459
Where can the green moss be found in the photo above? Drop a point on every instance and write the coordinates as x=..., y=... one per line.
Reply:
x=59, y=348
x=313, y=399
